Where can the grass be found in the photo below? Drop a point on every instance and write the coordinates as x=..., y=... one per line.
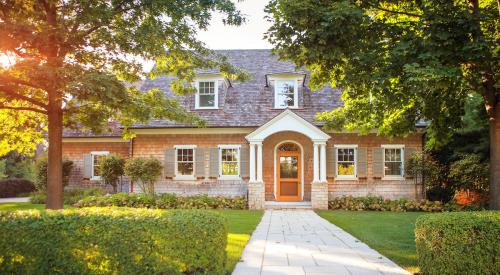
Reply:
x=241, y=224
x=390, y=233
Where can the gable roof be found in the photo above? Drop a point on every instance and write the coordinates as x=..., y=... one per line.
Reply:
x=251, y=103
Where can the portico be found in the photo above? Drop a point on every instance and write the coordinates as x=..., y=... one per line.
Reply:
x=288, y=166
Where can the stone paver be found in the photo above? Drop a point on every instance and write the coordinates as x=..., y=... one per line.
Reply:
x=9, y=200
x=301, y=242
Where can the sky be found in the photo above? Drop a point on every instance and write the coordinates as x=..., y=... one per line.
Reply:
x=250, y=35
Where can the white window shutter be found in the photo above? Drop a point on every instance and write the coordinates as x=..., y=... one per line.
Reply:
x=199, y=167
x=244, y=162
x=213, y=162
x=169, y=162
x=361, y=164
x=331, y=162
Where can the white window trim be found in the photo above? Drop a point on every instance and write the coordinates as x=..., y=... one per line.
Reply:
x=229, y=146
x=295, y=92
x=394, y=146
x=216, y=92
x=185, y=177
x=92, y=154
x=346, y=146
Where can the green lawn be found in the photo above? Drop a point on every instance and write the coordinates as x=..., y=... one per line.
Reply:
x=241, y=224
x=390, y=233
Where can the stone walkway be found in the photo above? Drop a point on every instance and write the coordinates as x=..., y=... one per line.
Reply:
x=7, y=200
x=301, y=242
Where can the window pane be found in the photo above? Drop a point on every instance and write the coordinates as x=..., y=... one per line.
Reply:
x=393, y=168
x=229, y=159
x=345, y=169
x=206, y=100
x=185, y=168
x=288, y=167
x=97, y=165
x=285, y=94
x=207, y=87
x=230, y=168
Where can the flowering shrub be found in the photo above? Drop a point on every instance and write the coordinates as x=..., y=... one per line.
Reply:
x=373, y=203
x=164, y=201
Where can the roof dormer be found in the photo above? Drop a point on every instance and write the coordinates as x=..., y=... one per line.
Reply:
x=285, y=87
x=208, y=88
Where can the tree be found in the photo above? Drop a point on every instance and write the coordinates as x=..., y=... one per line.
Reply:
x=73, y=56
x=397, y=62
x=112, y=168
x=145, y=172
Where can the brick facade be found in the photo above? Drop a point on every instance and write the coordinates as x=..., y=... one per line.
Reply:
x=155, y=145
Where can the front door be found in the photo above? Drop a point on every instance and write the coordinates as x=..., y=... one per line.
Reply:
x=288, y=174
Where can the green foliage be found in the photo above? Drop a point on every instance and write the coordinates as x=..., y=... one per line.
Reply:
x=145, y=172
x=459, y=243
x=164, y=201
x=86, y=51
x=18, y=166
x=396, y=62
x=14, y=187
x=373, y=203
x=112, y=241
x=41, y=173
x=112, y=168
x=3, y=172
x=70, y=196
x=424, y=167
x=469, y=173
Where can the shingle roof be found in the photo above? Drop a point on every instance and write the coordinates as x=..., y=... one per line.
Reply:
x=251, y=103
x=247, y=104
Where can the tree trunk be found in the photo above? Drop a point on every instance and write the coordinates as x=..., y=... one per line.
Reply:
x=54, y=168
x=495, y=158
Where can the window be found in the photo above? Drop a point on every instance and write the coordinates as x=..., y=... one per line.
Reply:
x=286, y=94
x=346, y=161
x=393, y=161
x=184, y=162
x=229, y=161
x=207, y=95
x=97, y=158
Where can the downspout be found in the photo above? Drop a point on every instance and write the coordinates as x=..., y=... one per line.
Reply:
x=131, y=155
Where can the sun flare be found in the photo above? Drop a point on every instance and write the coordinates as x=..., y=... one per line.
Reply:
x=6, y=60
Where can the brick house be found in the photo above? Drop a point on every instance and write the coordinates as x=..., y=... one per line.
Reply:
x=261, y=141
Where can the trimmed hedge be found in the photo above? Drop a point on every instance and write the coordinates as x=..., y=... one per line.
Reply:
x=373, y=203
x=112, y=241
x=459, y=243
x=380, y=204
x=14, y=187
x=164, y=201
x=70, y=196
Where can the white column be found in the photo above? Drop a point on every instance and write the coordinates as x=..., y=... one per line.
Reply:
x=252, y=162
x=315, y=163
x=322, y=163
x=259, y=162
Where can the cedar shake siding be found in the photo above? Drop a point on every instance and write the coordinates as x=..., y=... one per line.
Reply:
x=208, y=183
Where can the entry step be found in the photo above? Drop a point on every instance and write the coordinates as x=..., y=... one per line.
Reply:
x=288, y=205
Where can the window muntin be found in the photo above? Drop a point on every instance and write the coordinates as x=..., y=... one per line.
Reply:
x=346, y=162
x=97, y=158
x=393, y=162
x=206, y=97
x=286, y=94
x=184, y=162
x=229, y=161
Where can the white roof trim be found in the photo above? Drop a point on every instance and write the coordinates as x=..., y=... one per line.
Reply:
x=288, y=121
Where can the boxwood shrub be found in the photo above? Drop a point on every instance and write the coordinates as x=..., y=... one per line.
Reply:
x=459, y=243
x=164, y=201
x=374, y=203
x=112, y=241
x=14, y=187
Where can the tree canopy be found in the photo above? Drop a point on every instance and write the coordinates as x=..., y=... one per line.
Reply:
x=74, y=58
x=397, y=62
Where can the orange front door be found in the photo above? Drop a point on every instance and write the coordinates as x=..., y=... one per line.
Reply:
x=288, y=176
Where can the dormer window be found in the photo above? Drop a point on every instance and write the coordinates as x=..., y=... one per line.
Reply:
x=207, y=95
x=285, y=91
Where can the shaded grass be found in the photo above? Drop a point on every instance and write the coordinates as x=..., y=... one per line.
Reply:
x=241, y=224
x=390, y=233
